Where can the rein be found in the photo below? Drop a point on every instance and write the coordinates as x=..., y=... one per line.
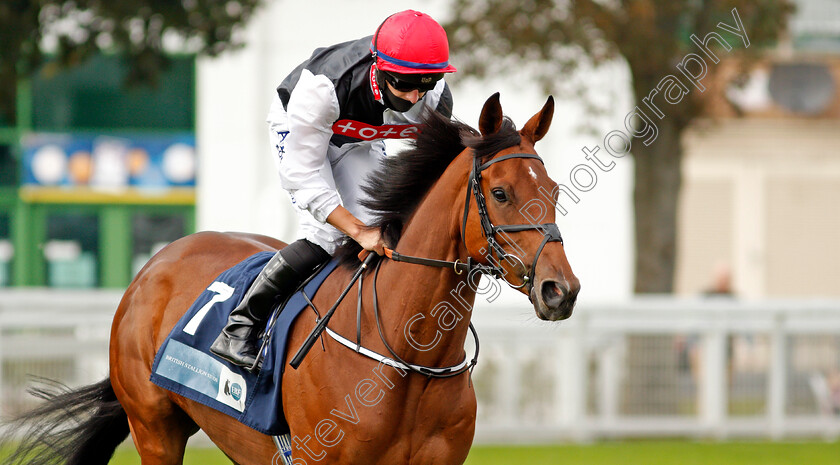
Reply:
x=430, y=372
x=397, y=361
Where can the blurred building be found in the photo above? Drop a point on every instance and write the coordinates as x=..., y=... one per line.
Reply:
x=761, y=179
x=95, y=177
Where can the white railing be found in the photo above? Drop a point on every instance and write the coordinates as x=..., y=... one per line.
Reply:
x=649, y=367
x=59, y=335
x=661, y=367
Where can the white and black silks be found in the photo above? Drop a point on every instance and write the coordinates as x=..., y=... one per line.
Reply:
x=328, y=124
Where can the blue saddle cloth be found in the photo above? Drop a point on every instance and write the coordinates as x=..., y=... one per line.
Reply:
x=184, y=364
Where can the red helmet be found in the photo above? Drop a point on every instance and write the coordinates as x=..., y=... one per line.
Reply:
x=411, y=42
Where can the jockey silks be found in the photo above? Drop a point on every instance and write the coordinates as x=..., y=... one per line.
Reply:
x=348, y=68
x=327, y=125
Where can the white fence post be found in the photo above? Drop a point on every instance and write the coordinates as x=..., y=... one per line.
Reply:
x=713, y=399
x=609, y=381
x=572, y=371
x=777, y=377
x=508, y=388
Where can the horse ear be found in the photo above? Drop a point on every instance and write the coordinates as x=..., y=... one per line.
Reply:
x=538, y=125
x=491, y=116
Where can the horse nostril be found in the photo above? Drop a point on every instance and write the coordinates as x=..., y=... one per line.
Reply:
x=552, y=293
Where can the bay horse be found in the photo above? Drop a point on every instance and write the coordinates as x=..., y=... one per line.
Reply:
x=449, y=206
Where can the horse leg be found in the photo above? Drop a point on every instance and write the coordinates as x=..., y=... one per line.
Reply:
x=241, y=444
x=159, y=428
x=161, y=441
x=157, y=443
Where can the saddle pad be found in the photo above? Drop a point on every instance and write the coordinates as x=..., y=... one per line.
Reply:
x=184, y=364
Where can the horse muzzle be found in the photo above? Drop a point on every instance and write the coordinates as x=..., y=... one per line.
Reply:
x=554, y=300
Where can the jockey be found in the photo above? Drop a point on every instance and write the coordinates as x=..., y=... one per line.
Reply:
x=328, y=124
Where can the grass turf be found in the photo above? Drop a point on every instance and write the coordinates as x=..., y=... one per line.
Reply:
x=608, y=453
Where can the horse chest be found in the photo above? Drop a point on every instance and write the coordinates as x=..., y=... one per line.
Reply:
x=432, y=428
x=385, y=419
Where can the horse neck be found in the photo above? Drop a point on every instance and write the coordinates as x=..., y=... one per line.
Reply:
x=434, y=303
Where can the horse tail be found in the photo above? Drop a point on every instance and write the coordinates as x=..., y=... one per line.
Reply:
x=72, y=427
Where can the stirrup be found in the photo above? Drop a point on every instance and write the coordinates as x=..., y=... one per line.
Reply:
x=256, y=367
x=265, y=337
x=284, y=448
x=268, y=330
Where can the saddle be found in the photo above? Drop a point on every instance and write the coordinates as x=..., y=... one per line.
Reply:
x=184, y=364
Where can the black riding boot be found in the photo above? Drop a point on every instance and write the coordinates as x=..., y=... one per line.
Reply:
x=240, y=342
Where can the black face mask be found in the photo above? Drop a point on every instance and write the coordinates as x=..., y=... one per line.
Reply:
x=396, y=103
x=392, y=101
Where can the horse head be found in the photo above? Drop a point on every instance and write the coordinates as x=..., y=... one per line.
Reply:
x=510, y=222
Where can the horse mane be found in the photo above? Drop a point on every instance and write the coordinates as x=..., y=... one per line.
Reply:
x=396, y=188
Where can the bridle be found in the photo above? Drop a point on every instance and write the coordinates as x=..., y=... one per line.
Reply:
x=550, y=231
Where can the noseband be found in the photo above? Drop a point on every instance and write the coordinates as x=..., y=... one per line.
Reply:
x=550, y=231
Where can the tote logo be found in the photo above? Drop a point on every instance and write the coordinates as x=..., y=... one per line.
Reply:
x=363, y=131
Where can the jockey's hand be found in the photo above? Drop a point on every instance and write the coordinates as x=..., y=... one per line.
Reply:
x=369, y=238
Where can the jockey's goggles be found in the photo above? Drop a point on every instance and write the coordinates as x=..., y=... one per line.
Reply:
x=409, y=82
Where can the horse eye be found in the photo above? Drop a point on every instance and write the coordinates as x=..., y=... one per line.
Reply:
x=499, y=195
